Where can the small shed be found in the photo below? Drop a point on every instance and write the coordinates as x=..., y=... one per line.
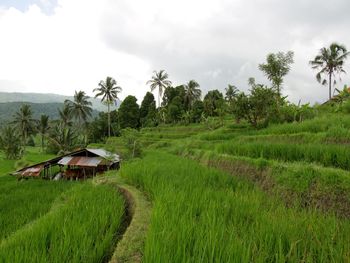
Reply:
x=80, y=164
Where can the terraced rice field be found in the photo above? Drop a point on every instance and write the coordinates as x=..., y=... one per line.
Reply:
x=47, y=221
x=232, y=194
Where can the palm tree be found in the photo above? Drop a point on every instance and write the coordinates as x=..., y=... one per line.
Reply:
x=80, y=107
x=109, y=91
x=192, y=93
x=65, y=115
x=10, y=143
x=329, y=62
x=63, y=139
x=24, y=122
x=231, y=92
x=159, y=80
x=43, y=128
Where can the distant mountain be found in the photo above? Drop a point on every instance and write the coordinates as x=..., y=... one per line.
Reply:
x=48, y=98
x=8, y=110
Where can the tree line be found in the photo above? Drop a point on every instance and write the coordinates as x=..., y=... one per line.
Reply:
x=176, y=104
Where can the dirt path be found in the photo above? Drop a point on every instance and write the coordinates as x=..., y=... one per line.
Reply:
x=133, y=232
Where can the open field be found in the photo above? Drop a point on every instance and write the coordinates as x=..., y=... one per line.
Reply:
x=227, y=194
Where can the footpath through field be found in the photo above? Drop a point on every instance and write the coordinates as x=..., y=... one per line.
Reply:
x=130, y=246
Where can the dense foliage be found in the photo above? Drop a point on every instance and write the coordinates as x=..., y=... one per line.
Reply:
x=129, y=113
x=10, y=143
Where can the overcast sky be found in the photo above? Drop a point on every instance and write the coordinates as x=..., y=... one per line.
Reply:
x=65, y=45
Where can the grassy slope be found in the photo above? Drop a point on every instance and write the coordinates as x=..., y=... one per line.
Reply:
x=47, y=221
x=23, y=201
x=203, y=215
x=297, y=154
x=80, y=227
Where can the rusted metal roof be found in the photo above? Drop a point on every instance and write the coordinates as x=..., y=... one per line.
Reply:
x=32, y=171
x=81, y=161
x=109, y=157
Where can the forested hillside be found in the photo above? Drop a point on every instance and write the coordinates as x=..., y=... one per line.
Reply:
x=46, y=98
x=8, y=109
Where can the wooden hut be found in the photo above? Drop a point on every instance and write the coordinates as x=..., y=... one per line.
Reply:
x=79, y=164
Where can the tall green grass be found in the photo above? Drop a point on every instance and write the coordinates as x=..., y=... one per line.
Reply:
x=319, y=124
x=24, y=201
x=80, y=227
x=203, y=215
x=328, y=155
x=304, y=185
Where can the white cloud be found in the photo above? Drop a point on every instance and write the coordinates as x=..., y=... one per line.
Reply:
x=62, y=52
x=214, y=42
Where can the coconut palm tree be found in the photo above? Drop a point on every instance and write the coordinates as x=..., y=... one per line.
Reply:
x=65, y=115
x=109, y=90
x=63, y=139
x=24, y=122
x=10, y=142
x=231, y=92
x=159, y=80
x=329, y=62
x=80, y=107
x=43, y=128
x=192, y=93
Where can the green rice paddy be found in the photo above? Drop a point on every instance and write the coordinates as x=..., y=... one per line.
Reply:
x=231, y=194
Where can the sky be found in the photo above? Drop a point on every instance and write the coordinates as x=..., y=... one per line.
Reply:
x=66, y=45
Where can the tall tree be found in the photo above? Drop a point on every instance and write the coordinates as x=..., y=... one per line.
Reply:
x=80, y=107
x=129, y=113
x=66, y=116
x=212, y=101
x=43, y=128
x=170, y=93
x=231, y=93
x=62, y=139
x=258, y=107
x=24, y=122
x=159, y=80
x=196, y=111
x=276, y=67
x=330, y=62
x=148, y=110
x=109, y=90
x=192, y=93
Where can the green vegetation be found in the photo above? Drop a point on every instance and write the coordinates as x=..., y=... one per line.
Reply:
x=277, y=66
x=23, y=202
x=48, y=221
x=130, y=248
x=80, y=226
x=129, y=113
x=159, y=81
x=330, y=62
x=235, y=177
x=10, y=142
x=109, y=91
x=203, y=215
x=148, y=111
x=327, y=155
